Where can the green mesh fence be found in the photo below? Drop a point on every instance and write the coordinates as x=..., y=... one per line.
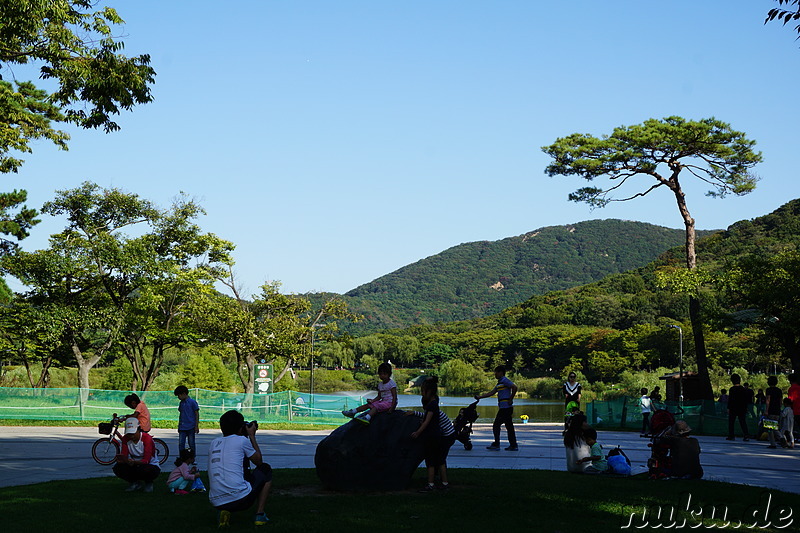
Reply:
x=92, y=404
x=705, y=417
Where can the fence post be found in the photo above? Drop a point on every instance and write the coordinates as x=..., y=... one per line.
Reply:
x=290, y=406
x=624, y=412
x=80, y=403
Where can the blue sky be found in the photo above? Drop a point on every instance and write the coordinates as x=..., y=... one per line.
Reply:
x=336, y=141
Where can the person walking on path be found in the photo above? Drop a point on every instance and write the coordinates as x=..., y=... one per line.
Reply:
x=737, y=407
x=505, y=390
x=188, y=419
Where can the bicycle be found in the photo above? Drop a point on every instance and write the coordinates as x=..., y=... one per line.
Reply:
x=106, y=449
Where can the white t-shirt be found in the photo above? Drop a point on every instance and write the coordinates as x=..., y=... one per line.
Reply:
x=646, y=404
x=225, y=471
x=386, y=389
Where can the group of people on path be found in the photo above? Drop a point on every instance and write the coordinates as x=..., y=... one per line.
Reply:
x=781, y=413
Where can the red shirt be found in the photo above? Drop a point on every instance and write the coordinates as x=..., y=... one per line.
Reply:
x=149, y=449
x=794, y=395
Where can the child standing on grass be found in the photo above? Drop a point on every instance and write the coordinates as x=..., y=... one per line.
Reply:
x=140, y=412
x=188, y=418
x=183, y=474
x=599, y=464
x=385, y=402
x=438, y=432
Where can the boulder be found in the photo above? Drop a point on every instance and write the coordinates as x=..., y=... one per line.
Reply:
x=374, y=457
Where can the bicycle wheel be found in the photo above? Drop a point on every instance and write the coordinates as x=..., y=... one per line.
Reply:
x=162, y=449
x=104, y=451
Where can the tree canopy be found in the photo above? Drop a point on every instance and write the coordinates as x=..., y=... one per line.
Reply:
x=73, y=48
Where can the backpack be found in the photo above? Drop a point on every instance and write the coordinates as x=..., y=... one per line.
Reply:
x=618, y=462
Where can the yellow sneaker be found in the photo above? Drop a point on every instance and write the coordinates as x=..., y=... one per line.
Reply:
x=224, y=519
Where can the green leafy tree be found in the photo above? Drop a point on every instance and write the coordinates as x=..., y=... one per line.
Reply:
x=271, y=326
x=30, y=336
x=462, y=378
x=99, y=283
x=73, y=46
x=770, y=284
x=662, y=151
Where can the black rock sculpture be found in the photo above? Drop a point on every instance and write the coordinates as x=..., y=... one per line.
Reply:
x=375, y=457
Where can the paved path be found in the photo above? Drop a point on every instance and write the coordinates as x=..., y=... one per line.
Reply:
x=38, y=454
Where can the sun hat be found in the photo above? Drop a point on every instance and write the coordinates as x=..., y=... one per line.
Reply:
x=681, y=428
x=131, y=425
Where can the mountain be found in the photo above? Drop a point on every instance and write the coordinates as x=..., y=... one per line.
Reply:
x=624, y=321
x=481, y=278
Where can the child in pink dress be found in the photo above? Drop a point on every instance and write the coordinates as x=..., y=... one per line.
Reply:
x=386, y=401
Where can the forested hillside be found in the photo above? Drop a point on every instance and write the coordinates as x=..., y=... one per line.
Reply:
x=750, y=287
x=477, y=279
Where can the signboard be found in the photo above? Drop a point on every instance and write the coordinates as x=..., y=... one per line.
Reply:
x=263, y=378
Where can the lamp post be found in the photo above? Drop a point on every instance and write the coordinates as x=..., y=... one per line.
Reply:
x=311, y=388
x=680, y=373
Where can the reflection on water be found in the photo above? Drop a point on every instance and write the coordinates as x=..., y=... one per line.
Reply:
x=537, y=410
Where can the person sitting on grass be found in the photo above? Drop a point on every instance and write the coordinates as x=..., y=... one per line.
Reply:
x=232, y=485
x=137, y=462
x=184, y=473
x=599, y=464
x=385, y=402
x=140, y=411
x=684, y=452
x=575, y=444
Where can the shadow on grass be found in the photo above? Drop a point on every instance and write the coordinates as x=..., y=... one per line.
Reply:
x=525, y=500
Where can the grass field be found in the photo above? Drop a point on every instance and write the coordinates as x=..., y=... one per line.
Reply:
x=480, y=500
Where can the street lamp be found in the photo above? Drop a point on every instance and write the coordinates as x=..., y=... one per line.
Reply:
x=311, y=391
x=680, y=374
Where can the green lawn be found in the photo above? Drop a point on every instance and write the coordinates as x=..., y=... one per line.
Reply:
x=480, y=500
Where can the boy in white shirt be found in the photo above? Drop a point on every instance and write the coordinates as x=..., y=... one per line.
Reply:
x=232, y=486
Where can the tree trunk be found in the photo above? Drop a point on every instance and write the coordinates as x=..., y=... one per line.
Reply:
x=86, y=364
x=244, y=367
x=287, y=366
x=695, y=315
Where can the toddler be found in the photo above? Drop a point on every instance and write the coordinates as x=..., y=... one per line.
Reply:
x=184, y=474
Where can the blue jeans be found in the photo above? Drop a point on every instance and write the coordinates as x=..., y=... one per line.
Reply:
x=182, y=436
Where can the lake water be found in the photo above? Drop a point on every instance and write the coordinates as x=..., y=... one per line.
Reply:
x=537, y=410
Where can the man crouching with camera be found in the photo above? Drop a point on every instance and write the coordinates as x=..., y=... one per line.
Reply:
x=233, y=486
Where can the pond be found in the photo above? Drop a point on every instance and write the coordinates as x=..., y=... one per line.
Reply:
x=537, y=410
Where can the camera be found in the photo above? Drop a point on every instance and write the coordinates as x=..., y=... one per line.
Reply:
x=246, y=426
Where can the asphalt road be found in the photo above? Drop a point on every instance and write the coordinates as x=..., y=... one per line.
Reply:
x=39, y=454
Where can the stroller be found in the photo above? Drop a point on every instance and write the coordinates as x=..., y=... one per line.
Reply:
x=571, y=409
x=659, y=462
x=463, y=424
